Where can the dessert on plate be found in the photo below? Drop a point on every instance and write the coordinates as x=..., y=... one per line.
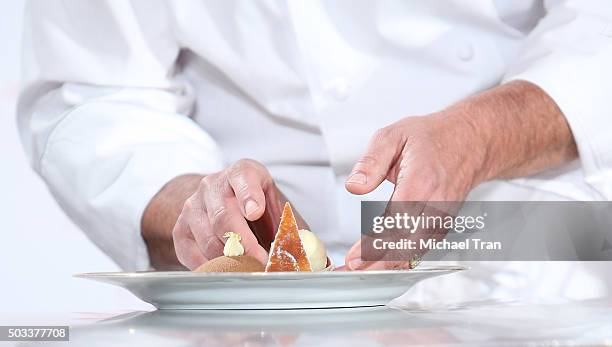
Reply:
x=291, y=250
x=233, y=258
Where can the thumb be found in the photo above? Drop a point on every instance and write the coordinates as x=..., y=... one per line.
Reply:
x=372, y=168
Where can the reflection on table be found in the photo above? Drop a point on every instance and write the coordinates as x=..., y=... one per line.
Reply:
x=474, y=323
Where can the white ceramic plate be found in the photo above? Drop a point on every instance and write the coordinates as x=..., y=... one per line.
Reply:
x=276, y=290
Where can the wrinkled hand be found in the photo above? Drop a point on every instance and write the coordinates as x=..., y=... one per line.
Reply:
x=428, y=158
x=242, y=198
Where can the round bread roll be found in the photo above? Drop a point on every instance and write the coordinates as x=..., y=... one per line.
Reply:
x=241, y=263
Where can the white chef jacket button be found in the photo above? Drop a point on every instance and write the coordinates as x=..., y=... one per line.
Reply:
x=338, y=89
x=465, y=52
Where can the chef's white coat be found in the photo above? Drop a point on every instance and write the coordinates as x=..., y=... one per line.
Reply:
x=121, y=96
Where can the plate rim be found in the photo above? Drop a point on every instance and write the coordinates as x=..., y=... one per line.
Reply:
x=190, y=274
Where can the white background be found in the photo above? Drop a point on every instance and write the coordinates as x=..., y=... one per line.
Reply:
x=40, y=248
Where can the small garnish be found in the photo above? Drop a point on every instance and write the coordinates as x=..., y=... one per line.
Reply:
x=233, y=247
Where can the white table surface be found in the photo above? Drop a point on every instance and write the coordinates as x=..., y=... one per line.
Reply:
x=586, y=323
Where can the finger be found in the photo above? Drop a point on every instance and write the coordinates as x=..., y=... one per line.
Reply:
x=210, y=244
x=224, y=215
x=195, y=216
x=356, y=259
x=353, y=259
x=372, y=168
x=248, y=180
x=356, y=263
x=186, y=248
x=364, y=257
x=379, y=265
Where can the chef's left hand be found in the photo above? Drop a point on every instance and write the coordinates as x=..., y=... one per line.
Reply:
x=428, y=158
x=511, y=130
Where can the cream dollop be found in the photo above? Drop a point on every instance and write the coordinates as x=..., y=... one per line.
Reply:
x=233, y=247
x=315, y=250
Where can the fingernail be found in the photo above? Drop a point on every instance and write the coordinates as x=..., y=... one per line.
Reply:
x=357, y=178
x=250, y=206
x=355, y=264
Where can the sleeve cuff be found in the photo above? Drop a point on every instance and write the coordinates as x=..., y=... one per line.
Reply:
x=585, y=107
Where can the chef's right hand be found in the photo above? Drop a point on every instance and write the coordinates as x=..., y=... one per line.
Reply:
x=229, y=200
